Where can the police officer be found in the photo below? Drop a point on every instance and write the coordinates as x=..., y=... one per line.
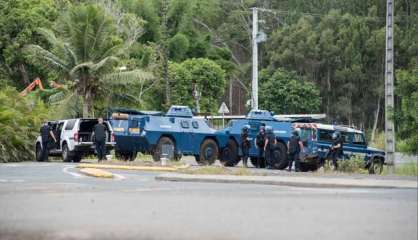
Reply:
x=46, y=132
x=269, y=145
x=336, y=148
x=245, y=145
x=294, y=147
x=100, y=139
x=260, y=139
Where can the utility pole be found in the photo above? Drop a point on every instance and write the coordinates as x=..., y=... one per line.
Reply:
x=389, y=87
x=254, y=83
x=164, y=54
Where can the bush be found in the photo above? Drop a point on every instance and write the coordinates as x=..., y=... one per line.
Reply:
x=20, y=119
x=353, y=165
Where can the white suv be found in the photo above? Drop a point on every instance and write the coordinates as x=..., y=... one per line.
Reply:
x=74, y=139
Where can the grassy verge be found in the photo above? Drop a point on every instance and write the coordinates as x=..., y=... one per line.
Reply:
x=212, y=170
x=407, y=169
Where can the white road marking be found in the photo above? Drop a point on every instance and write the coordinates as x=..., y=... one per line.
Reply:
x=118, y=176
x=11, y=180
x=75, y=175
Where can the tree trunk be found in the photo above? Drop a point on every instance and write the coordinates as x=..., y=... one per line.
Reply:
x=24, y=73
x=328, y=91
x=231, y=81
x=376, y=119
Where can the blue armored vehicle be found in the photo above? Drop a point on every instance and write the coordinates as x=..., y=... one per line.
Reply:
x=173, y=134
x=231, y=154
x=317, y=139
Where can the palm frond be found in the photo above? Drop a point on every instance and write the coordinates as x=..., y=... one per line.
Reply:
x=80, y=66
x=52, y=59
x=129, y=77
x=95, y=67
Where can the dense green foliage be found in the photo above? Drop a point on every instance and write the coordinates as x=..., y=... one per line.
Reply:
x=328, y=54
x=285, y=92
x=20, y=120
x=407, y=114
x=201, y=75
x=18, y=23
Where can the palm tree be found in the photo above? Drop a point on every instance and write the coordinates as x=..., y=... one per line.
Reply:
x=87, y=50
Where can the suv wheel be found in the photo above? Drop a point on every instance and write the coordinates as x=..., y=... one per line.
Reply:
x=66, y=154
x=38, y=152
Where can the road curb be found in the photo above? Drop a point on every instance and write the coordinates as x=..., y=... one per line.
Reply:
x=124, y=167
x=310, y=182
x=94, y=172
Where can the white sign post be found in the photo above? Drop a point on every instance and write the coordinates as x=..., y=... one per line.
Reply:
x=223, y=109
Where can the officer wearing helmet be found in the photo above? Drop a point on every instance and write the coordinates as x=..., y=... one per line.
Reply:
x=245, y=144
x=294, y=147
x=269, y=146
x=336, y=148
x=260, y=139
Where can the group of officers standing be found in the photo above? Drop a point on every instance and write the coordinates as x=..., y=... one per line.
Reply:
x=265, y=143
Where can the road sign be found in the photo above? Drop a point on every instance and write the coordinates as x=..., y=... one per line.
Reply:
x=223, y=109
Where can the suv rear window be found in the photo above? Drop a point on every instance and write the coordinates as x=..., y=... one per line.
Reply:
x=70, y=124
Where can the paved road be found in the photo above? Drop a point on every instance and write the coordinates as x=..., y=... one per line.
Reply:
x=52, y=201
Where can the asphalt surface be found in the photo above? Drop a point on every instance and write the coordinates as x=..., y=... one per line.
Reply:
x=54, y=201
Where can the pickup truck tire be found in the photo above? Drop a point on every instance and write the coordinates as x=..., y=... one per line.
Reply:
x=229, y=155
x=376, y=166
x=66, y=154
x=209, y=152
x=38, y=152
x=158, y=149
x=280, y=156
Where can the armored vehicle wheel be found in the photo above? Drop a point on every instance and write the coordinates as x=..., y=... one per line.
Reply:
x=38, y=151
x=280, y=156
x=121, y=155
x=132, y=156
x=208, y=152
x=376, y=166
x=254, y=162
x=158, y=149
x=229, y=156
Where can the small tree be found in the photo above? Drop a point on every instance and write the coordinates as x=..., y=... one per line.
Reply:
x=201, y=75
x=285, y=92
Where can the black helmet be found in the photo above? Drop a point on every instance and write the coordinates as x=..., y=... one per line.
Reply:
x=245, y=128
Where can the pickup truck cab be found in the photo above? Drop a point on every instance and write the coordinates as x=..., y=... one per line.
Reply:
x=317, y=140
x=74, y=139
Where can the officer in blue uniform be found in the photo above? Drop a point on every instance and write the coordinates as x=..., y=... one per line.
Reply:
x=269, y=146
x=245, y=145
x=294, y=147
x=100, y=139
x=337, y=148
x=46, y=133
x=260, y=139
